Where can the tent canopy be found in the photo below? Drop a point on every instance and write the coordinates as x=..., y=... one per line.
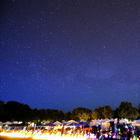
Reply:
x=49, y=124
x=57, y=123
x=73, y=124
x=84, y=124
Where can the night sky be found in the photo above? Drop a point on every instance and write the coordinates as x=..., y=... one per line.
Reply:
x=64, y=54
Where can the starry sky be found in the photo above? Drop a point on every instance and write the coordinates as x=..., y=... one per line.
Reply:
x=64, y=54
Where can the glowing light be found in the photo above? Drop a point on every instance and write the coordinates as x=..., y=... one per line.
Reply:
x=114, y=136
x=126, y=126
x=106, y=135
x=43, y=136
x=15, y=134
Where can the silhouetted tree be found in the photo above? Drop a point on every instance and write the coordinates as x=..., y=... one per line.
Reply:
x=84, y=116
x=67, y=116
x=126, y=110
x=61, y=115
x=116, y=113
x=139, y=110
x=53, y=114
x=43, y=114
x=103, y=112
x=80, y=110
x=95, y=114
x=108, y=112
x=2, y=110
x=35, y=115
x=27, y=112
x=98, y=113
x=16, y=111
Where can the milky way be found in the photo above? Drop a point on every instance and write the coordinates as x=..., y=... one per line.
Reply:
x=66, y=54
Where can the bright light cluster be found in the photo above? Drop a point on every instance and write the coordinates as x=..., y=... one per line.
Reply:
x=15, y=134
x=43, y=136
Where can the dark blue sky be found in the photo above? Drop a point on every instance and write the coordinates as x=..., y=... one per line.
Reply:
x=64, y=54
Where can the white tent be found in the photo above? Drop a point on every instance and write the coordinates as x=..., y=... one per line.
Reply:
x=123, y=121
x=136, y=123
x=8, y=123
x=73, y=124
x=57, y=123
x=100, y=122
x=112, y=120
x=16, y=122
x=94, y=122
x=104, y=120
x=71, y=121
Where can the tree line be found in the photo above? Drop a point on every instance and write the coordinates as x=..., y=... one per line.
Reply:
x=16, y=111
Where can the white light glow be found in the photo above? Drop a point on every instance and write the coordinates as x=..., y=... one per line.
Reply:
x=43, y=136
